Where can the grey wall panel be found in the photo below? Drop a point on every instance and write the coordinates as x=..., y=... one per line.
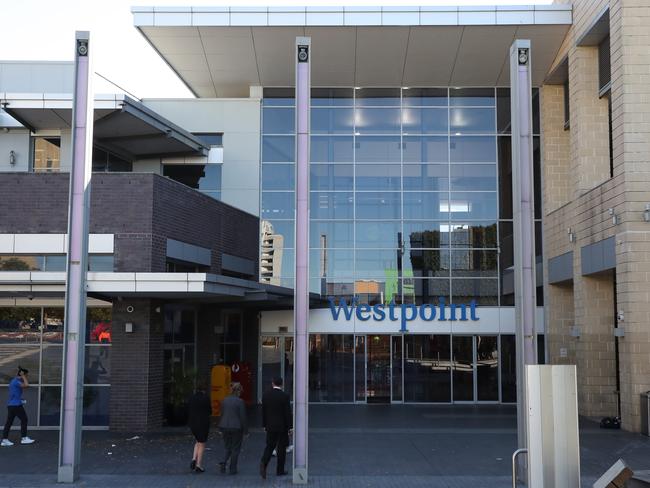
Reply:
x=16, y=140
x=560, y=268
x=599, y=256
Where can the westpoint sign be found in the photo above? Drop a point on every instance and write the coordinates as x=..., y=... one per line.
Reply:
x=408, y=312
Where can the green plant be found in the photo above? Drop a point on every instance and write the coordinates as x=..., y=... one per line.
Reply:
x=182, y=386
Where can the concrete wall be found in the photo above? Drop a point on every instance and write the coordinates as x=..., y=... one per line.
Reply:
x=16, y=140
x=579, y=192
x=36, y=76
x=239, y=121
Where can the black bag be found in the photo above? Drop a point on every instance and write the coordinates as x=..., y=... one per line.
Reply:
x=610, y=423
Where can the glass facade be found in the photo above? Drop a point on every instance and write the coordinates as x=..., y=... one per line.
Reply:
x=410, y=193
x=32, y=337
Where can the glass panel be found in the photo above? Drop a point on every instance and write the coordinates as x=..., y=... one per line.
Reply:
x=278, y=120
x=474, y=263
x=470, y=205
x=199, y=176
x=50, y=405
x=331, y=205
x=335, y=149
x=95, y=405
x=374, y=205
x=278, y=205
x=372, y=263
x=271, y=360
x=97, y=368
x=331, y=366
x=426, y=149
x=468, y=97
x=425, y=234
x=372, y=291
x=47, y=154
x=508, y=369
x=537, y=178
x=98, y=325
x=471, y=121
x=52, y=364
x=278, y=96
x=397, y=368
x=278, y=149
x=55, y=263
x=278, y=233
x=278, y=176
x=536, y=117
x=336, y=288
x=377, y=149
x=12, y=356
x=473, y=149
x=331, y=234
x=333, y=263
x=503, y=110
x=463, y=368
x=415, y=97
x=380, y=177
x=369, y=97
x=100, y=263
x=427, y=177
x=22, y=263
x=487, y=369
x=331, y=97
x=426, y=290
x=53, y=325
x=379, y=374
x=184, y=328
x=331, y=177
x=425, y=121
x=233, y=330
x=377, y=121
x=473, y=177
x=427, y=376
x=506, y=261
x=332, y=121
x=425, y=263
x=360, y=367
x=474, y=234
x=484, y=291
x=378, y=234
x=505, y=177
x=20, y=325
x=427, y=206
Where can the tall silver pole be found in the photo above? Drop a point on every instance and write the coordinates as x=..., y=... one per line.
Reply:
x=301, y=293
x=77, y=258
x=524, y=223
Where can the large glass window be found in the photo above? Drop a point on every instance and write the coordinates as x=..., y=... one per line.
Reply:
x=331, y=368
x=47, y=154
x=427, y=368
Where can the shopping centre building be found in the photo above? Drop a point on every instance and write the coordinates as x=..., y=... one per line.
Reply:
x=192, y=219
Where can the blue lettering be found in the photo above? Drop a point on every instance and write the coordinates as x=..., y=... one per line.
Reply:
x=423, y=311
x=347, y=311
x=378, y=311
x=472, y=308
x=404, y=307
x=463, y=311
x=441, y=303
x=391, y=309
x=362, y=309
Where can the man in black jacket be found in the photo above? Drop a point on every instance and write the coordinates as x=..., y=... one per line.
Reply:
x=276, y=418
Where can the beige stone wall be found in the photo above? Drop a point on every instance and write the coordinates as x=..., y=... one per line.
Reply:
x=578, y=192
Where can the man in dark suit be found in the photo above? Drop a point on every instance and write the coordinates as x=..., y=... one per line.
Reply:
x=277, y=422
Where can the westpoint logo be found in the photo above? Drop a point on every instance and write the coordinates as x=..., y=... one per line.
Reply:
x=408, y=311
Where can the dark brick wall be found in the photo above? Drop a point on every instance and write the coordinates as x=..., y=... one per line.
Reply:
x=142, y=210
x=136, y=402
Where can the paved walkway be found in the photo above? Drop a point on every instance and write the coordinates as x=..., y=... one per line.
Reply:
x=350, y=446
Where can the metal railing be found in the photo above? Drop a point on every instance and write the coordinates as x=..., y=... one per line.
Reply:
x=514, y=464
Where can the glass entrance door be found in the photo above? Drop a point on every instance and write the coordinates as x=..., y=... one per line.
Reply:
x=276, y=353
x=379, y=370
x=487, y=369
x=463, y=368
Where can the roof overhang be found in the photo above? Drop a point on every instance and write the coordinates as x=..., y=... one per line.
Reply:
x=222, y=51
x=122, y=124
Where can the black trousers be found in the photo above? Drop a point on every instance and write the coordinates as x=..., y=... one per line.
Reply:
x=278, y=441
x=12, y=413
x=232, y=439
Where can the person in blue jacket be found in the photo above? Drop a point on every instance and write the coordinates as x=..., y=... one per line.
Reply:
x=15, y=408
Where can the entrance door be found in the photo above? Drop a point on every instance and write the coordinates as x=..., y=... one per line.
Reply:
x=276, y=353
x=487, y=369
x=463, y=368
x=379, y=371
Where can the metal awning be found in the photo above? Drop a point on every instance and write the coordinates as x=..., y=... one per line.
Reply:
x=122, y=124
x=222, y=51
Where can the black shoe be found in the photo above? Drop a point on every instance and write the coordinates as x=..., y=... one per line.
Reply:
x=193, y=465
x=199, y=469
x=282, y=473
x=222, y=467
x=263, y=471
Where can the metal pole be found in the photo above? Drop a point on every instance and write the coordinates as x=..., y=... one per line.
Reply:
x=523, y=222
x=77, y=258
x=301, y=292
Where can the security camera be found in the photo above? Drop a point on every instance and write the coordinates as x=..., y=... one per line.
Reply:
x=82, y=48
x=30, y=297
x=303, y=54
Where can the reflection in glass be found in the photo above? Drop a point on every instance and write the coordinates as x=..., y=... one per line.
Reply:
x=331, y=177
x=332, y=121
x=426, y=177
x=22, y=263
x=278, y=149
x=425, y=149
x=278, y=176
x=473, y=177
x=325, y=234
x=20, y=325
x=415, y=97
x=375, y=263
x=198, y=176
x=12, y=356
x=471, y=121
x=472, y=149
x=487, y=369
x=271, y=360
x=427, y=262
x=334, y=149
x=53, y=325
x=334, y=97
x=427, y=376
x=377, y=97
x=425, y=206
x=505, y=177
x=377, y=121
x=378, y=205
x=52, y=364
x=477, y=263
x=55, y=263
x=377, y=234
x=47, y=154
x=331, y=205
x=278, y=97
x=98, y=325
x=360, y=368
x=277, y=233
x=278, y=120
x=471, y=97
x=331, y=368
x=470, y=205
x=50, y=405
x=474, y=234
x=429, y=290
x=278, y=205
x=377, y=149
x=484, y=291
x=378, y=369
x=380, y=177
x=463, y=368
x=424, y=234
x=95, y=405
x=508, y=369
x=332, y=263
x=425, y=120
x=97, y=369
